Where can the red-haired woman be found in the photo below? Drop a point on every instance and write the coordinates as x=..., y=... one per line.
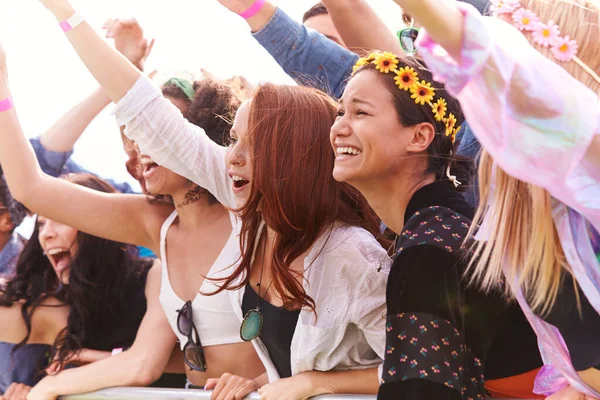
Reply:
x=311, y=275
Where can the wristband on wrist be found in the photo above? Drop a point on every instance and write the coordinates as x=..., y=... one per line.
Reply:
x=71, y=22
x=253, y=10
x=6, y=104
x=116, y=351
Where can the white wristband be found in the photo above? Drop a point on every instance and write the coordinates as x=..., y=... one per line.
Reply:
x=72, y=22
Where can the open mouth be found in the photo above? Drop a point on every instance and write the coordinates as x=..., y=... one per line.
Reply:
x=61, y=258
x=348, y=151
x=239, y=183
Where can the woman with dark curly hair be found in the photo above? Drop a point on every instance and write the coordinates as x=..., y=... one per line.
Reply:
x=80, y=293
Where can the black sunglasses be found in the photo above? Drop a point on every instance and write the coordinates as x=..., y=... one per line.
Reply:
x=193, y=353
x=407, y=39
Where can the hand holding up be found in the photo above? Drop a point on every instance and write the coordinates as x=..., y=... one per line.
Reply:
x=129, y=40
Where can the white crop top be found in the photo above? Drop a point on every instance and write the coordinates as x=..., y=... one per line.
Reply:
x=214, y=317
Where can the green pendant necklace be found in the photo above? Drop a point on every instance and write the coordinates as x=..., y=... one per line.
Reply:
x=252, y=323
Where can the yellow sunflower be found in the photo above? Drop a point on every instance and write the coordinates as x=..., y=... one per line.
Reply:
x=450, y=124
x=439, y=109
x=361, y=62
x=386, y=62
x=406, y=77
x=422, y=92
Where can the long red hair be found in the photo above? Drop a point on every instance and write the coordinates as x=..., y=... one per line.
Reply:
x=293, y=189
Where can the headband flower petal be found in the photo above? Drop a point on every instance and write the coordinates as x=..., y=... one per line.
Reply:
x=505, y=6
x=422, y=92
x=564, y=49
x=525, y=19
x=546, y=34
x=386, y=62
x=439, y=109
x=450, y=125
x=364, y=61
x=405, y=78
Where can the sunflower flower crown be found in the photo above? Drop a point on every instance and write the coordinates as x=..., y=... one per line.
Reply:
x=407, y=79
x=422, y=92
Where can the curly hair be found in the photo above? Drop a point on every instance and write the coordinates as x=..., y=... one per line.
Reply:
x=212, y=109
x=103, y=274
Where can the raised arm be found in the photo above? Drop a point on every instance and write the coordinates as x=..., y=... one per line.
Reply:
x=306, y=56
x=155, y=124
x=137, y=366
x=360, y=27
x=63, y=135
x=497, y=76
x=123, y=218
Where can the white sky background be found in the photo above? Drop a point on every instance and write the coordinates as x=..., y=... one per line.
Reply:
x=47, y=78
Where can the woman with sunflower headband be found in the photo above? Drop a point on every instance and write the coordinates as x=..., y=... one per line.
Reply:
x=528, y=81
x=395, y=142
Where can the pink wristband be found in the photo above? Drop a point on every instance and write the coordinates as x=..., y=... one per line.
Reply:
x=253, y=10
x=6, y=104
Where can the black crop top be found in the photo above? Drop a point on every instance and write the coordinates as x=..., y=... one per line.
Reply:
x=277, y=332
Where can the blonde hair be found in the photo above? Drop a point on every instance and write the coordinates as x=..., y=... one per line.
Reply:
x=580, y=20
x=523, y=244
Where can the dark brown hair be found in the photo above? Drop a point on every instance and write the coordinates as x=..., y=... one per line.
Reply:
x=317, y=9
x=102, y=276
x=441, y=152
x=293, y=189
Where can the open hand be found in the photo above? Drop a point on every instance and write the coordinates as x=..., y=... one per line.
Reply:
x=129, y=40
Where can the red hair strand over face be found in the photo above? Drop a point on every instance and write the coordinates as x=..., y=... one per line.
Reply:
x=293, y=189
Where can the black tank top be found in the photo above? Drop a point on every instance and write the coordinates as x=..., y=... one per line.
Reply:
x=278, y=329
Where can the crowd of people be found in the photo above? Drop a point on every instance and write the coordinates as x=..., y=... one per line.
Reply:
x=416, y=218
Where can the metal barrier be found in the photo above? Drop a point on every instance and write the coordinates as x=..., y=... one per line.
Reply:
x=125, y=393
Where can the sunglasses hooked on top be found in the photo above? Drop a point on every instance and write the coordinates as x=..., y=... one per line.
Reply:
x=193, y=353
x=407, y=38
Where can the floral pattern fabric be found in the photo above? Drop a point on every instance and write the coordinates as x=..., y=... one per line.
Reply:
x=421, y=345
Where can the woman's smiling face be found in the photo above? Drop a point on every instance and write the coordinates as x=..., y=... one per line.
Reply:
x=368, y=139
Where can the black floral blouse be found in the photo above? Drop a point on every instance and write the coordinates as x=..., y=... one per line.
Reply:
x=440, y=329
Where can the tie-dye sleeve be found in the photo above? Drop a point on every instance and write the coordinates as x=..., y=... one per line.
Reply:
x=536, y=120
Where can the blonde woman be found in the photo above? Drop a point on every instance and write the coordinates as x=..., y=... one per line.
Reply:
x=528, y=84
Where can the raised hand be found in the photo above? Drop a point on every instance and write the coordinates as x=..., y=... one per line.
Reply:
x=129, y=40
